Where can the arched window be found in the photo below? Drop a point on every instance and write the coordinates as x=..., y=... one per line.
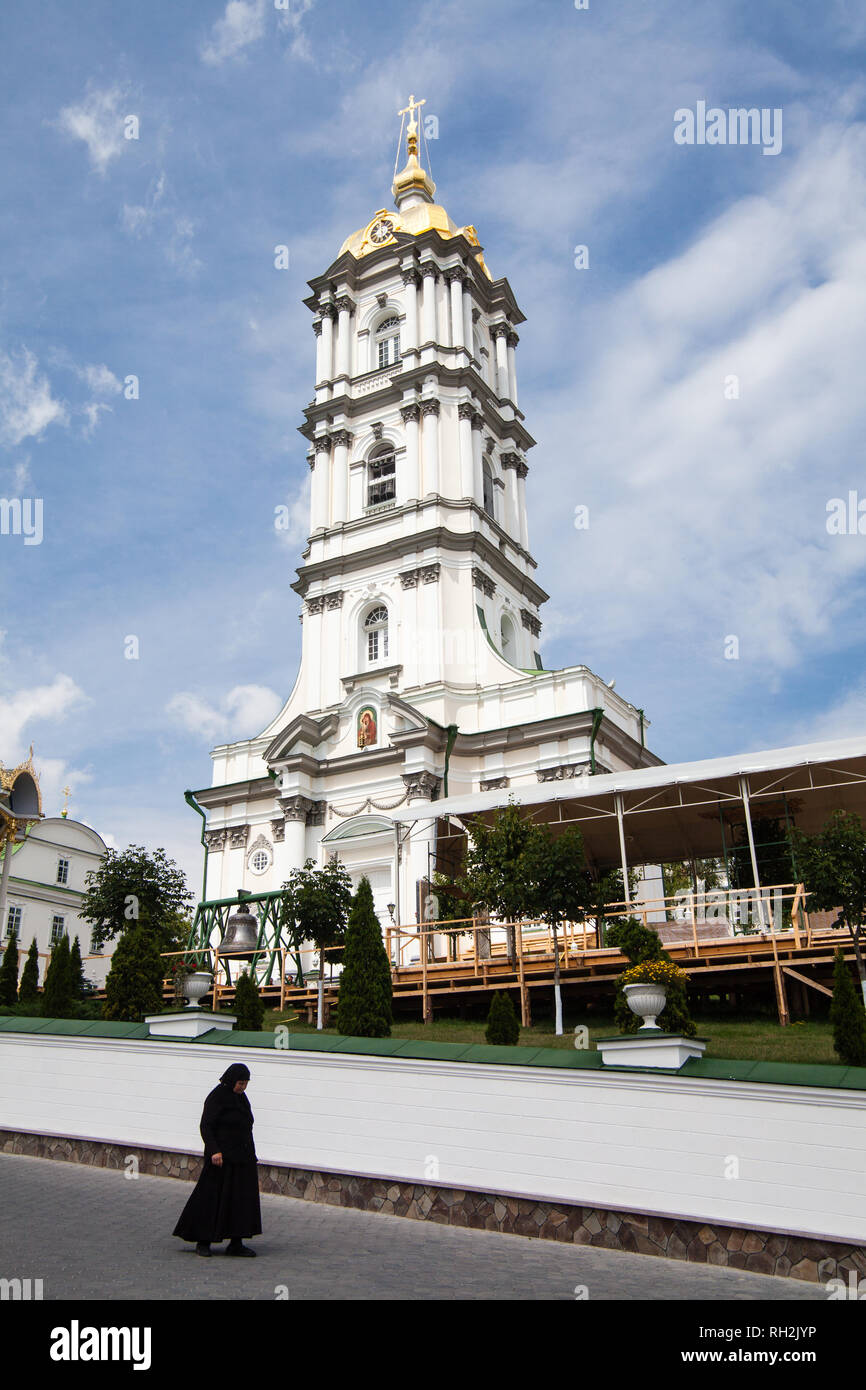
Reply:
x=381, y=477
x=387, y=340
x=507, y=642
x=376, y=633
x=488, y=490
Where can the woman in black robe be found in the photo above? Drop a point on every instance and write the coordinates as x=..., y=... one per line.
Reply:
x=225, y=1200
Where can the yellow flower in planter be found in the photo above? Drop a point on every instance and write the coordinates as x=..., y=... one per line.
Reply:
x=654, y=972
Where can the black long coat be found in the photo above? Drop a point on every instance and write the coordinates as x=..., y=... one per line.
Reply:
x=225, y=1201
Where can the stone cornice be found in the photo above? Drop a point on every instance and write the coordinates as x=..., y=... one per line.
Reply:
x=493, y=295
x=396, y=384
x=304, y=731
x=251, y=789
x=437, y=538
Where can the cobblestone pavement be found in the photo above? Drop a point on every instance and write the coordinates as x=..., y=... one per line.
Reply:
x=92, y=1233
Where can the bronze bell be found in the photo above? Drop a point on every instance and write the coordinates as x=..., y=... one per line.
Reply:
x=241, y=933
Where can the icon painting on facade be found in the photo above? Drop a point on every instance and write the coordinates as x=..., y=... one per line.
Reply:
x=367, y=727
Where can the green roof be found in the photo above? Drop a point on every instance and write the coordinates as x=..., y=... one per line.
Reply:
x=706, y=1068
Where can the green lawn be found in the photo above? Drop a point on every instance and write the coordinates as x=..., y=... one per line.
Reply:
x=750, y=1039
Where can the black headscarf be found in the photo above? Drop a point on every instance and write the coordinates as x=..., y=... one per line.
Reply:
x=236, y=1072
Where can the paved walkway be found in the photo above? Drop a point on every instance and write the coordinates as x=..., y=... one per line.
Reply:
x=90, y=1233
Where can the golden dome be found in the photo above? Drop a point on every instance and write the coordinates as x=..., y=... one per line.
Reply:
x=413, y=190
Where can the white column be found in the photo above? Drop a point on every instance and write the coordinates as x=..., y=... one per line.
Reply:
x=296, y=808
x=465, y=415
x=622, y=854
x=443, y=309
x=477, y=460
x=327, y=342
x=341, y=439
x=409, y=341
x=512, y=516
x=498, y=332
x=344, y=336
x=429, y=308
x=320, y=509
x=512, y=341
x=468, y=337
x=320, y=355
x=430, y=416
x=412, y=488
x=744, y=793
x=521, y=471
x=455, y=283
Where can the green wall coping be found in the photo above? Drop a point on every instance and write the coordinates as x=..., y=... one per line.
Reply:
x=836, y=1077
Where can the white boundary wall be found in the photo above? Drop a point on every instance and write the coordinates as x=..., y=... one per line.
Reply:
x=628, y=1140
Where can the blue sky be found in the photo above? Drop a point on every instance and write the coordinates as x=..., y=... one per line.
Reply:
x=257, y=126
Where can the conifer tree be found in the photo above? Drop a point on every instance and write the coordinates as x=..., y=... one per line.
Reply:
x=503, y=1029
x=9, y=972
x=364, y=1003
x=28, y=990
x=847, y=1016
x=134, y=984
x=76, y=970
x=248, y=1007
x=58, y=1000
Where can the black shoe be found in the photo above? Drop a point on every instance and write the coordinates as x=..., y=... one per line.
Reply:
x=203, y=1248
x=236, y=1248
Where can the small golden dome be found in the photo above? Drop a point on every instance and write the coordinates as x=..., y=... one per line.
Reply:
x=413, y=190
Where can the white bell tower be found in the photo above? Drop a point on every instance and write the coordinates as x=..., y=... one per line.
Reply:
x=420, y=669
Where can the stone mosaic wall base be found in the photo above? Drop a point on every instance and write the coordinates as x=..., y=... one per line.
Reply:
x=762, y=1252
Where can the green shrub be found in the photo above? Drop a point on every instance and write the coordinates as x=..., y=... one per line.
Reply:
x=28, y=990
x=9, y=972
x=364, y=1001
x=502, y=1029
x=848, y=1016
x=58, y=1000
x=248, y=1007
x=134, y=984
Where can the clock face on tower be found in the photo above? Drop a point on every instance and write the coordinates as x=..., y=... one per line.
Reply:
x=381, y=231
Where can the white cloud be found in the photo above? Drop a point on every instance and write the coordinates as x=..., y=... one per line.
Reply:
x=27, y=406
x=92, y=412
x=292, y=20
x=158, y=216
x=242, y=24
x=139, y=217
x=101, y=380
x=98, y=121
x=55, y=775
x=243, y=713
x=297, y=530
x=707, y=514
x=845, y=719
x=32, y=706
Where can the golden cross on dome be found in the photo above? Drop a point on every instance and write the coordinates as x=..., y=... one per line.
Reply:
x=67, y=792
x=412, y=131
x=412, y=108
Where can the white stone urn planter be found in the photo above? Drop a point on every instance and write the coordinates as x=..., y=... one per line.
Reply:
x=646, y=999
x=196, y=985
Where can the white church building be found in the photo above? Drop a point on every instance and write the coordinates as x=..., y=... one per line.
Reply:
x=420, y=673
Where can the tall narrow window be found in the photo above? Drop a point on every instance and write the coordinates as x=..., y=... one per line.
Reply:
x=381, y=478
x=62, y=870
x=13, y=921
x=387, y=341
x=58, y=929
x=488, y=491
x=376, y=632
x=507, y=642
